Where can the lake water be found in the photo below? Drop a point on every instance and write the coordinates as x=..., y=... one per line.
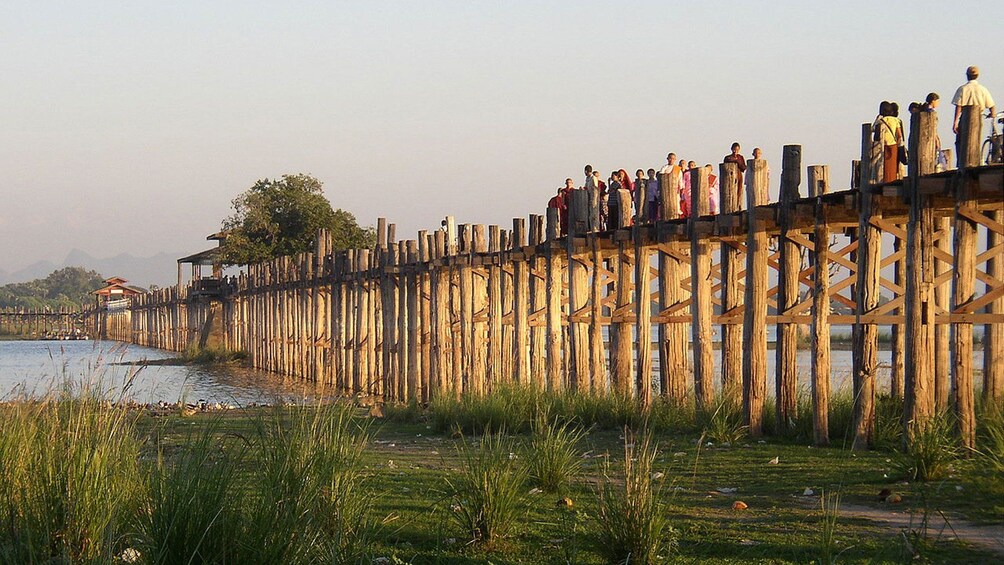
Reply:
x=35, y=367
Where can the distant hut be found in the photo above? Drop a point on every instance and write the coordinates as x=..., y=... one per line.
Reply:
x=116, y=293
x=213, y=258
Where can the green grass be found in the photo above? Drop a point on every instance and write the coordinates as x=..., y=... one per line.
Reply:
x=211, y=355
x=71, y=485
x=324, y=485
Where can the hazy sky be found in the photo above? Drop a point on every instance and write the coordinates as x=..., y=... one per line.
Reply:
x=130, y=126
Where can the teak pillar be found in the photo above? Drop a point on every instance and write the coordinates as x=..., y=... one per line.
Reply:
x=786, y=353
x=700, y=284
x=755, y=317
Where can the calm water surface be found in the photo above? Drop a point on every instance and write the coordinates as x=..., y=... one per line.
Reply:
x=34, y=367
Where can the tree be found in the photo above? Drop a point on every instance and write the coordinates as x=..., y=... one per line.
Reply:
x=67, y=287
x=277, y=217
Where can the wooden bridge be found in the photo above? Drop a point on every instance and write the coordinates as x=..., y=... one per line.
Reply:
x=44, y=323
x=466, y=308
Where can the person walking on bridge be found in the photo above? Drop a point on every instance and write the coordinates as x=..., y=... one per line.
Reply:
x=972, y=94
x=887, y=130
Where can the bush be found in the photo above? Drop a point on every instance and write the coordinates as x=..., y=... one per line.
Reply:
x=631, y=521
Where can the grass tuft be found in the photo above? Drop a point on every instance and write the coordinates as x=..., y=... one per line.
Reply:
x=553, y=457
x=631, y=521
x=488, y=492
x=726, y=424
x=310, y=500
x=931, y=452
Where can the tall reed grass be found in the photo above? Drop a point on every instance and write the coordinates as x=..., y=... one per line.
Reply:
x=931, y=452
x=553, y=456
x=70, y=479
x=631, y=522
x=309, y=502
x=77, y=485
x=194, y=507
x=515, y=408
x=488, y=492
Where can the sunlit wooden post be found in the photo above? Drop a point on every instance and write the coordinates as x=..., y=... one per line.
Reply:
x=755, y=316
x=700, y=279
x=819, y=185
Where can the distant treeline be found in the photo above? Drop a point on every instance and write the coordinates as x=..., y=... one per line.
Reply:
x=67, y=287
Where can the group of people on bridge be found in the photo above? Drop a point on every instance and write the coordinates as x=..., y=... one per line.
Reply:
x=644, y=191
x=888, y=127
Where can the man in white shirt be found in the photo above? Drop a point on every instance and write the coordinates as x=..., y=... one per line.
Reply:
x=972, y=94
x=668, y=167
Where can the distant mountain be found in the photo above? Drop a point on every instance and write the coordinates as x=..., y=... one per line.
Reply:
x=160, y=269
x=34, y=271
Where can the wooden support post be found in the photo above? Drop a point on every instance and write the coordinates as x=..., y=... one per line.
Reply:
x=897, y=371
x=508, y=365
x=674, y=344
x=395, y=387
x=624, y=208
x=867, y=295
x=495, y=372
x=964, y=279
x=755, y=317
x=993, y=333
x=597, y=359
x=406, y=379
x=819, y=184
x=494, y=312
x=521, y=303
x=621, y=376
x=351, y=331
x=363, y=336
x=786, y=353
x=578, y=293
x=425, y=244
x=669, y=194
x=732, y=291
x=700, y=283
x=479, y=362
x=554, y=277
x=643, y=313
x=919, y=299
x=458, y=363
x=466, y=353
x=942, y=297
x=414, y=319
x=537, y=267
x=440, y=305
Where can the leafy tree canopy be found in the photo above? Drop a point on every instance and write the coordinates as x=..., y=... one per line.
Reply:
x=69, y=287
x=277, y=217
